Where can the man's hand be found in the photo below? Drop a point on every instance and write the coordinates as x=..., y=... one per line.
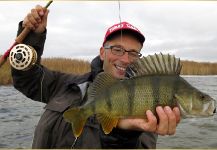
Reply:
x=36, y=20
x=168, y=120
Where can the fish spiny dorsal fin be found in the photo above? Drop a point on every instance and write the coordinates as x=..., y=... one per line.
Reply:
x=103, y=81
x=157, y=64
x=179, y=67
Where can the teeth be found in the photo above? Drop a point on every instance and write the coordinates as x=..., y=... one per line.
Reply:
x=120, y=68
x=206, y=107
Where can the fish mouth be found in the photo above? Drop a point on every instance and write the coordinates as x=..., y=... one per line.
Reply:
x=208, y=110
x=183, y=111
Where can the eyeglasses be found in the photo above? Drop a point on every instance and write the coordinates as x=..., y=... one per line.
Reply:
x=120, y=51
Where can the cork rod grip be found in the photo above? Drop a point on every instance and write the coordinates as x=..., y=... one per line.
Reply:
x=18, y=40
x=26, y=31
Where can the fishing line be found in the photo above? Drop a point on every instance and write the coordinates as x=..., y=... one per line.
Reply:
x=41, y=82
x=128, y=72
x=23, y=57
x=74, y=142
x=119, y=14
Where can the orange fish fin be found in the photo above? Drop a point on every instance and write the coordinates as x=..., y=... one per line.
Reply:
x=77, y=127
x=107, y=122
x=77, y=120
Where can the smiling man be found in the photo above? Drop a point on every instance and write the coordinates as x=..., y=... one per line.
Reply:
x=122, y=45
x=116, y=58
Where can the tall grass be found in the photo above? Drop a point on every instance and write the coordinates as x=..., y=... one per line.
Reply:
x=198, y=68
x=80, y=66
x=57, y=64
x=5, y=74
x=67, y=65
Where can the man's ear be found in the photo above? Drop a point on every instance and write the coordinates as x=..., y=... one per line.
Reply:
x=102, y=53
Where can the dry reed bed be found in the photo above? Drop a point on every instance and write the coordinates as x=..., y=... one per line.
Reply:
x=198, y=68
x=5, y=74
x=80, y=66
x=67, y=65
x=57, y=64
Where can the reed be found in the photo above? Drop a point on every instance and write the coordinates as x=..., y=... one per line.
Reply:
x=5, y=74
x=77, y=66
x=66, y=65
x=198, y=68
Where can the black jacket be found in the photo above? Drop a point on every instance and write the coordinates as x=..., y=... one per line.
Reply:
x=61, y=91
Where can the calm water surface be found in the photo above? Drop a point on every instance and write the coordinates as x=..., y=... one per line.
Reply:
x=19, y=116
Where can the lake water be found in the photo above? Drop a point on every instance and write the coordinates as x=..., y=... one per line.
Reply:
x=19, y=116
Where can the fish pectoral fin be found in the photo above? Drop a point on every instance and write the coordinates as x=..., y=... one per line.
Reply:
x=107, y=122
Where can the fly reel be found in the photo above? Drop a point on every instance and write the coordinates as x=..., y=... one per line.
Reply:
x=22, y=57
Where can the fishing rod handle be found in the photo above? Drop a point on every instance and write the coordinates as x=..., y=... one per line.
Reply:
x=18, y=40
x=26, y=30
x=22, y=35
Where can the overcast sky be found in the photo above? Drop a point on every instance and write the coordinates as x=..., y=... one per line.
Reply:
x=76, y=29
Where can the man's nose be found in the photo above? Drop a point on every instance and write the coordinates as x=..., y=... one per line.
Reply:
x=125, y=58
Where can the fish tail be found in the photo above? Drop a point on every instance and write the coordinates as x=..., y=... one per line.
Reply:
x=77, y=118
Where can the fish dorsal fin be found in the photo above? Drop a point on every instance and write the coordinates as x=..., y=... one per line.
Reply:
x=103, y=81
x=157, y=64
x=107, y=122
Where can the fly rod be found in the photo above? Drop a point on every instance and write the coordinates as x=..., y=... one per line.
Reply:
x=18, y=40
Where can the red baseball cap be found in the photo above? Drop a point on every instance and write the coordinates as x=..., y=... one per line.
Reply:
x=122, y=26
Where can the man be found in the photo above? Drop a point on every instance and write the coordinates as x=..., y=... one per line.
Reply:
x=122, y=45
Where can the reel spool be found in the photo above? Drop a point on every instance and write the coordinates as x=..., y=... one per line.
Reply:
x=22, y=57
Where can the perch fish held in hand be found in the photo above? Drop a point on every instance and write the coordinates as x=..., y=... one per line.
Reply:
x=155, y=81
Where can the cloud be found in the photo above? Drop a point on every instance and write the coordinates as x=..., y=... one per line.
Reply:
x=76, y=28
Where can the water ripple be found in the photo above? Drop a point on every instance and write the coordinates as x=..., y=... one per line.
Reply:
x=19, y=116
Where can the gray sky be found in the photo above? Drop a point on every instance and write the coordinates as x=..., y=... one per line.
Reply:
x=76, y=29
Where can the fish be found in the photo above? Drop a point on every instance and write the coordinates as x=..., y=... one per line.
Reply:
x=154, y=81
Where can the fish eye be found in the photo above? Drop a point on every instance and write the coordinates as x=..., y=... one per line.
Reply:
x=202, y=97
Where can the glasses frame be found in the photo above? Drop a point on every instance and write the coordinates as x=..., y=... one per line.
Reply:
x=124, y=50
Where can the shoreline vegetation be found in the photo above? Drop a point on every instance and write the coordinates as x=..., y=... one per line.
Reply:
x=77, y=66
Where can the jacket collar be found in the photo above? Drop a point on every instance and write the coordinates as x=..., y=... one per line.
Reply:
x=96, y=66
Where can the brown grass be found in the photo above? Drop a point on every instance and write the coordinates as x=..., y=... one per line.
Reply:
x=80, y=66
x=5, y=74
x=198, y=68
x=58, y=64
x=67, y=65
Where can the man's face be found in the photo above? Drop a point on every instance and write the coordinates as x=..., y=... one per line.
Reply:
x=116, y=65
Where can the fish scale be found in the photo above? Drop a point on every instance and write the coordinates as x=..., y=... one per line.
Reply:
x=156, y=81
x=167, y=87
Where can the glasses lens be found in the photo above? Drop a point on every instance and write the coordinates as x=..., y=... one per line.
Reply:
x=133, y=54
x=117, y=51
